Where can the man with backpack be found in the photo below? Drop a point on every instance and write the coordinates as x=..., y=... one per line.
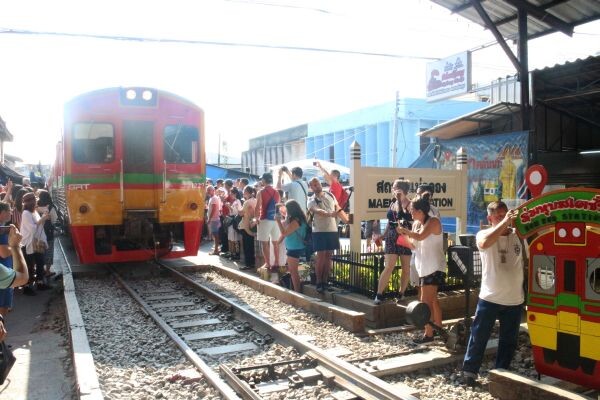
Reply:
x=325, y=238
x=297, y=189
x=335, y=187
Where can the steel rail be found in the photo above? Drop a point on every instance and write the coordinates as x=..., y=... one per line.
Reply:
x=210, y=375
x=370, y=387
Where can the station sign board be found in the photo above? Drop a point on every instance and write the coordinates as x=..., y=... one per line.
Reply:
x=373, y=190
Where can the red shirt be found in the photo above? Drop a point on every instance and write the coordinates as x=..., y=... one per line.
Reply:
x=337, y=190
x=229, y=199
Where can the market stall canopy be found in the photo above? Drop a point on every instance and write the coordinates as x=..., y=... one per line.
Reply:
x=543, y=16
x=309, y=170
x=5, y=135
x=6, y=173
x=215, y=172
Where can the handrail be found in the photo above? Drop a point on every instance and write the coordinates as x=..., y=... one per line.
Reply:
x=121, y=186
x=164, y=197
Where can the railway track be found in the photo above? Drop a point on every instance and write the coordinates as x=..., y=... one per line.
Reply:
x=214, y=331
x=247, y=351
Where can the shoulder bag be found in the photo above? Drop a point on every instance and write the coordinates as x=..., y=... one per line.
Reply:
x=39, y=244
x=7, y=360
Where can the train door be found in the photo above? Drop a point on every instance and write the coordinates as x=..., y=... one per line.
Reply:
x=138, y=165
x=568, y=315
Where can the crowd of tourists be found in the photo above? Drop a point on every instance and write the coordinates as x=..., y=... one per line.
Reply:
x=298, y=220
x=27, y=222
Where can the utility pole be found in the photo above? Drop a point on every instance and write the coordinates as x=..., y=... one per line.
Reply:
x=219, y=152
x=395, y=133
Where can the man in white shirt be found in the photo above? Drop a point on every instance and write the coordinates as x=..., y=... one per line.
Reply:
x=297, y=189
x=501, y=294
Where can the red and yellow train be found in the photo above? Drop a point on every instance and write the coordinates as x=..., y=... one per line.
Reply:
x=131, y=171
x=563, y=305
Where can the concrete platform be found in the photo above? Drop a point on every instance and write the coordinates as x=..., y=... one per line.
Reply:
x=43, y=367
x=352, y=311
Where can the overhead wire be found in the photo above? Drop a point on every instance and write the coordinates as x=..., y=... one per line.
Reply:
x=210, y=43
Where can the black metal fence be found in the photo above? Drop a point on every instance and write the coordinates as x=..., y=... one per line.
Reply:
x=359, y=273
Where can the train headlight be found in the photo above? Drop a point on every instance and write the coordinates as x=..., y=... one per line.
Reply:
x=193, y=206
x=84, y=208
x=147, y=95
x=131, y=94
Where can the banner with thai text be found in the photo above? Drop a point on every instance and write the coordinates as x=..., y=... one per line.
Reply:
x=496, y=170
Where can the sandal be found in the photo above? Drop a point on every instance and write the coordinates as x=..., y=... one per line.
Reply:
x=423, y=339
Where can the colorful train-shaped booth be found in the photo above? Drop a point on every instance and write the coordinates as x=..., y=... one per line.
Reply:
x=563, y=301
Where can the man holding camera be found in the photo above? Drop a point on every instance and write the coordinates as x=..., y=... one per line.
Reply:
x=297, y=189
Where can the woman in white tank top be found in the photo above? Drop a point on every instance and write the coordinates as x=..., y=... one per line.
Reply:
x=427, y=239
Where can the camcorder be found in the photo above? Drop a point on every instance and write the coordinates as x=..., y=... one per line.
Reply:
x=402, y=222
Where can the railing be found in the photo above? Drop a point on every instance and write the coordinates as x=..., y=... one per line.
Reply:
x=359, y=273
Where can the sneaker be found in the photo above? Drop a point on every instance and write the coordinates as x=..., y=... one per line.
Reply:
x=28, y=291
x=320, y=288
x=423, y=339
x=42, y=286
x=470, y=381
x=400, y=298
x=377, y=301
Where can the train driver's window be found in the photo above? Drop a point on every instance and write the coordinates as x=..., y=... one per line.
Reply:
x=181, y=144
x=545, y=276
x=592, y=290
x=93, y=143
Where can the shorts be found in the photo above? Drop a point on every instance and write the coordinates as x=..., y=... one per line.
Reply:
x=296, y=253
x=323, y=241
x=6, y=298
x=438, y=278
x=267, y=229
x=213, y=227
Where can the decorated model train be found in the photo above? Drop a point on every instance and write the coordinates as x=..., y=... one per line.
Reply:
x=563, y=305
x=130, y=170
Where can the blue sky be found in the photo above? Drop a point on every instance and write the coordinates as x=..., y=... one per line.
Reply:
x=245, y=90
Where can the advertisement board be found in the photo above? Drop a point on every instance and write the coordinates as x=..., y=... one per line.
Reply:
x=448, y=77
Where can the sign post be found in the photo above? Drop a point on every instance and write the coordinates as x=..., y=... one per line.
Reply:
x=373, y=191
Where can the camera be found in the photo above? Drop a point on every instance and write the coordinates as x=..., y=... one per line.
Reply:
x=405, y=224
x=315, y=163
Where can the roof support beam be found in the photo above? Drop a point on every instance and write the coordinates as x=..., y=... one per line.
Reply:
x=541, y=15
x=524, y=67
x=490, y=25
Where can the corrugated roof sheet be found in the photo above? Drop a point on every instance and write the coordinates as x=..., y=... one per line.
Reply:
x=473, y=122
x=544, y=16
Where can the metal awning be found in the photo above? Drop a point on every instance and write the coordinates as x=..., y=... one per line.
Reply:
x=480, y=121
x=543, y=16
x=5, y=135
